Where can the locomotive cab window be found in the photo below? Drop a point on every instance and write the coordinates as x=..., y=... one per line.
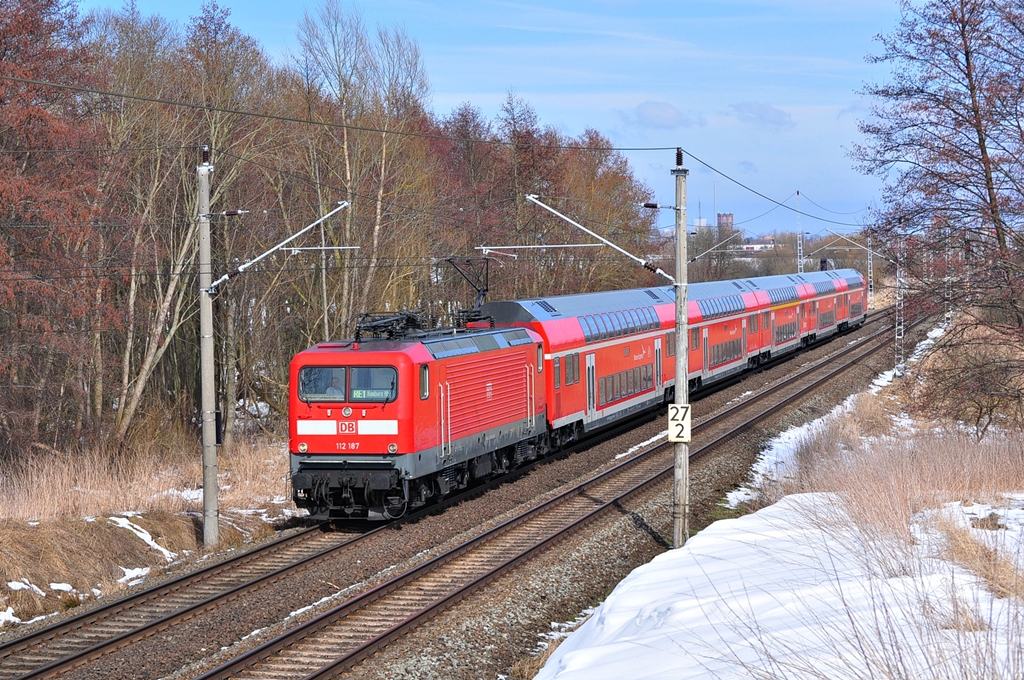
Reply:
x=322, y=383
x=373, y=384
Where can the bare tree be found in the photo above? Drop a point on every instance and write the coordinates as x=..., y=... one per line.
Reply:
x=945, y=134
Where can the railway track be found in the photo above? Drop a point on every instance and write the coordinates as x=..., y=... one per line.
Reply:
x=61, y=648
x=343, y=637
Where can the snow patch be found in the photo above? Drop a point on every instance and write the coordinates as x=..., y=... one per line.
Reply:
x=124, y=523
x=133, y=577
x=643, y=445
x=24, y=584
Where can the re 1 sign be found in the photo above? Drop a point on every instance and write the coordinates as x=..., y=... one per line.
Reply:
x=679, y=423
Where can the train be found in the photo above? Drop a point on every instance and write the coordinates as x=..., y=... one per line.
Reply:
x=403, y=414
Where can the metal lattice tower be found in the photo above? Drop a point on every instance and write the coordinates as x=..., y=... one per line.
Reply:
x=948, y=294
x=799, y=238
x=871, y=278
x=901, y=287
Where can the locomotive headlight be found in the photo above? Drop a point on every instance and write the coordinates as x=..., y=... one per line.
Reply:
x=347, y=411
x=303, y=448
x=392, y=448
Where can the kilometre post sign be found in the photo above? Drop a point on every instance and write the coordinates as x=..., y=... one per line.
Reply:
x=679, y=423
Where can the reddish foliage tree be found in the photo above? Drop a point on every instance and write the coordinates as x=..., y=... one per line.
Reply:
x=46, y=223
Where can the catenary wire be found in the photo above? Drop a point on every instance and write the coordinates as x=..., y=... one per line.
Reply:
x=425, y=135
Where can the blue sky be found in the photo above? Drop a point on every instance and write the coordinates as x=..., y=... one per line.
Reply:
x=764, y=91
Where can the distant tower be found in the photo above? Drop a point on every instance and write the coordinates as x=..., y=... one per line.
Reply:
x=725, y=222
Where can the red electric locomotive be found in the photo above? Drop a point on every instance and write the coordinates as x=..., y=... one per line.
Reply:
x=383, y=424
x=380, y=425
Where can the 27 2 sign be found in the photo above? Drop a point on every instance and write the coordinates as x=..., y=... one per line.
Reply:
x=679, y=423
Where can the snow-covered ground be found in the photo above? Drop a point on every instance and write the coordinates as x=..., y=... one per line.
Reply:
x=790, y=592
x=784, y=593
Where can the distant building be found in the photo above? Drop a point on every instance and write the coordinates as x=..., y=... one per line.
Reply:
x=725, y=225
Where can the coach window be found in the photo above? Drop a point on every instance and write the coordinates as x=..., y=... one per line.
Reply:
x=752, y=324
x=558, y=373
x=424, y=381
x=632, y=320
x=670, y=343
x=576, y=367
x=765, y=319
x=694, y=338
x=623, y=322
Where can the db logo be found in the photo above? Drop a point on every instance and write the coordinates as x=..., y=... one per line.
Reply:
x=346, y=427
x=490, y=392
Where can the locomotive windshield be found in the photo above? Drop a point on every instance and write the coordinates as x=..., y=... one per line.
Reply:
x=373, y=383
x=348, y=384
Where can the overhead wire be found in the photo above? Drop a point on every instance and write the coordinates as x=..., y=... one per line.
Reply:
x=308, y=121
x=855, y=212
x=406, y=261
x=409, y=133
x=767, y=198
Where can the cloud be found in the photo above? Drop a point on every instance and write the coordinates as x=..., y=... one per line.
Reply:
x=762, y=115
x=660, y=115
x=748, y=167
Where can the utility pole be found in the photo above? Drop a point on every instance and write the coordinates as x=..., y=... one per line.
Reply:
x=679, y=409
x=679, y=412
x=211, y=533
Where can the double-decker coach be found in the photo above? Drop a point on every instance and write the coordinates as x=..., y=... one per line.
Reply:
x=611, y=354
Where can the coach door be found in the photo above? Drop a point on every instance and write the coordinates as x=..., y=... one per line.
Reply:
x=707, y=363
x=659, y=382
x=591, y=387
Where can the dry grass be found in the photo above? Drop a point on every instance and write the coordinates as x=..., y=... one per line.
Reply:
x=55, y=510
x=887, y=478
x=995, y=568
x=527, y=667
x=886, y=482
